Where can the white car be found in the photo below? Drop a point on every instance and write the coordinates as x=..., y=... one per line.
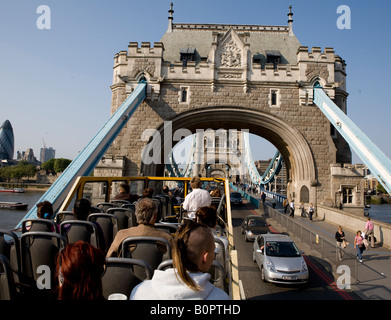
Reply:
x=279, y=259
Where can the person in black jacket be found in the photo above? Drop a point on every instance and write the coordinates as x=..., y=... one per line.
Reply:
x=341, y=242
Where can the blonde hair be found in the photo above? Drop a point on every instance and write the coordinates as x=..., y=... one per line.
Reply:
x=195, y=182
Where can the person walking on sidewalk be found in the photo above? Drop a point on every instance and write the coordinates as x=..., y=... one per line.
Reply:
x=359, y=245
x=341, y=243
x=369, y=231
x=292, y=208
x=311, y=211
x=285, y=204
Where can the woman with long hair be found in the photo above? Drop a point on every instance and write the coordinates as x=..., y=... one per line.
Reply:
x=192, y=255
x=79, y=270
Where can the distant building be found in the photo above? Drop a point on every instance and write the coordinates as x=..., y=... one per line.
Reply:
x=6, y=141
x=46, y=154
x=28, y=156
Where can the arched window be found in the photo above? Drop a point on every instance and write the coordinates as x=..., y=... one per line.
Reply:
x=304, y=194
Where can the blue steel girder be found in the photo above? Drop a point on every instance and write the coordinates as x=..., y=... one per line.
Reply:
x=369, y=153
x=89, y=157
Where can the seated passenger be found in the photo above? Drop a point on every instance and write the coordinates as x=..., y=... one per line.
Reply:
x=44, y=210
x=81, y=211
x=208, y=217
x=125, y=194
x=215, y=193
x=146, y=214
x=79, y=270
x=147, y=193
x=193, y=254
x=197, y=198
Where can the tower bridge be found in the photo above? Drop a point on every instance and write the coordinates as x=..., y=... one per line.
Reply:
x=253, y=78
x=232, y=78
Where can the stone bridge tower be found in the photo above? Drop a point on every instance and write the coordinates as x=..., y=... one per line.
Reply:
x=244, y=77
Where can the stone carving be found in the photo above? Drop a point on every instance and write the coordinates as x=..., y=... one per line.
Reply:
x=314, y=70
x=230, y=55
x=143, y=65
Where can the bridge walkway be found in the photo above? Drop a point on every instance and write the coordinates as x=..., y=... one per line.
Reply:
x=371, y=279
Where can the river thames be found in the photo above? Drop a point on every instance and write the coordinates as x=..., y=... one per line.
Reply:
x=10, y=218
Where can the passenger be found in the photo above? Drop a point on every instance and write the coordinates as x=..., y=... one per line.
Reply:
x=208, y=217
x=81, y=210
x=125, y=194
x=79, y=269
x=193, y=254
x=146, y=214
x=215, y=193
x=147, y=193
x=44, y=210
x=197, y=198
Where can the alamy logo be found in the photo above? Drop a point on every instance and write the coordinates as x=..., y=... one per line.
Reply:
x=344, y=20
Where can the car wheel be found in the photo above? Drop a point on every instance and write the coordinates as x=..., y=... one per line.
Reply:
x=263, y=277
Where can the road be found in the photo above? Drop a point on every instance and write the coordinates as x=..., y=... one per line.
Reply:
x=320, y=287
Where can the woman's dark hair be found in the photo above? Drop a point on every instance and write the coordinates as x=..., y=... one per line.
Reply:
x=207, y=216
x=190, y=242
x=82, y=209
x=79, y=269
x=44, y=210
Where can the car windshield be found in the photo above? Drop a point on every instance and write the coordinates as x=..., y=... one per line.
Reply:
x=257, y=223
x=282, y=249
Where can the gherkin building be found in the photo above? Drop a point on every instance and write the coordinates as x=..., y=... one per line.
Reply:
x=6, y=141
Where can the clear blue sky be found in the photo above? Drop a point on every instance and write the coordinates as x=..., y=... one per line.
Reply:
x=55, y=84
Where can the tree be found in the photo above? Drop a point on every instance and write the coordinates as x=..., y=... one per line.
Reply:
x=61, y=164
x=56, y=165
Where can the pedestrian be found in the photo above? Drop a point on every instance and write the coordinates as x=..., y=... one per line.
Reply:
x=292, y=208
x=302, y=209
x=274, y=202
x=369, y=228
x=359, y=245
x=341, y=242
x=285, y=205
x=263, y=197
x=311, y=210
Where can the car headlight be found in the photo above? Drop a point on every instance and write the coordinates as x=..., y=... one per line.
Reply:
x=270, y=265
x=303, y=266
x=250, y=233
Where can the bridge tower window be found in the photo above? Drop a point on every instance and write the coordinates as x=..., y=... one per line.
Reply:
x=274, y=98
x=184, y=94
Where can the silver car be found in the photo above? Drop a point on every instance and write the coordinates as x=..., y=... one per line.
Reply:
x=279, y=259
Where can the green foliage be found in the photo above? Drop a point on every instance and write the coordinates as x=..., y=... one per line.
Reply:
x=22, y=169
x=56, y=165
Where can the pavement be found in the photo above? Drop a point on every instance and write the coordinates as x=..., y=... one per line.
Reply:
x=372, y=277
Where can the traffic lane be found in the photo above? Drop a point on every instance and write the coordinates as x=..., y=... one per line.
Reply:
x=320, y=287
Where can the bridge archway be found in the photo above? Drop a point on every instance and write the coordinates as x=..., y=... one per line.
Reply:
x=286, y=138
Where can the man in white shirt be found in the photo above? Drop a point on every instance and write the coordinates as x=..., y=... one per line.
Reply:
x=197, y=198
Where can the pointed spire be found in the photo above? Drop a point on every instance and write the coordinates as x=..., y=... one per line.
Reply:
x=170, y=18
x=290, y=21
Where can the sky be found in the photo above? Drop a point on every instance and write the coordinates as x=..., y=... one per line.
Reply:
x=55, y=82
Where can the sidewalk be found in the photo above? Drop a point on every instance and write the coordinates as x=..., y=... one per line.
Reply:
x=373, y=274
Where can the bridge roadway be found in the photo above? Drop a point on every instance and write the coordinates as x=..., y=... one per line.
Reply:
x=321, y=286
